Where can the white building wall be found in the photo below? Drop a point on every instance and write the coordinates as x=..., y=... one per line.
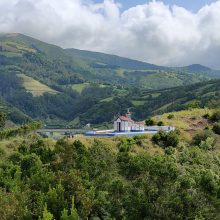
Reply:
x=115, y=125
x=138, y=127
x=123, y=126
x=128, y=126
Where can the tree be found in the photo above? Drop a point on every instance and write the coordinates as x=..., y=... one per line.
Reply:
x=160, y=123
x=149, y=122
x=164, y=139
x=73, y=211
x=55, y=200
x=2, y=119
x=193, y=104
x=46, y=214
x=64, y=215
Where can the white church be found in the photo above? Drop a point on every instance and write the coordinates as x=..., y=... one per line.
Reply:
x=126, y=124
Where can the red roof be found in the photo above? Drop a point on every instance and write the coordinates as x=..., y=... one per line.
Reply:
x=123, y=118
x=140, y=123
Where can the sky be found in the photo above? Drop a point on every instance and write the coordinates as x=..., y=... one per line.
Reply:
x=192, y=5
x=171, y=33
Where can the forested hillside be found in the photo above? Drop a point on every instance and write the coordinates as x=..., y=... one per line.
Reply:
x=72, y=88
x=144, y=103
x=169, y=176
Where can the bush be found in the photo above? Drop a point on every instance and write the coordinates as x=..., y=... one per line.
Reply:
x=215, y=117
x=2, y=119
x=150, y=122
x=160, y=123
x=216, y=128
x=139, y=140
x=206, y=116
x=208, y=144
x=170, y=116
x=193, y=104
x=207, y=127
x=202, y=136
x=165, y=139
x=169, y=150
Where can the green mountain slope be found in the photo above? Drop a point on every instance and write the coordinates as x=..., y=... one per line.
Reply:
x=114, y=61
x=55, y=66
x=13, y=114
x=74, y=87
x=145, y=103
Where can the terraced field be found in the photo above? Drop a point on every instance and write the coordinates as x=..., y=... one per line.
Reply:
x=35, y=87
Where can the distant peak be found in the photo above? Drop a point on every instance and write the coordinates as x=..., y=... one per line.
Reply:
x=198, y=65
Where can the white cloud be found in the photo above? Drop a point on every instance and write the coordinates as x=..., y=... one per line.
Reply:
x=153, y=32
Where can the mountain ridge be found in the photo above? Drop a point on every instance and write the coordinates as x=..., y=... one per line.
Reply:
x=97, y=55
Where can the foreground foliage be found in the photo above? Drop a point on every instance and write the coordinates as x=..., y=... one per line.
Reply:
x=71, y=181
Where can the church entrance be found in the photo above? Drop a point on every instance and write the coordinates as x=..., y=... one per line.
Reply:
x=119, y=126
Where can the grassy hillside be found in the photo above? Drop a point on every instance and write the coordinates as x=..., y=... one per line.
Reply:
x=189, y=122
x=35, y=87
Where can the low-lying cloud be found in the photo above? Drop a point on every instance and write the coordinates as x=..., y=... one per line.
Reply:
x=152, y=32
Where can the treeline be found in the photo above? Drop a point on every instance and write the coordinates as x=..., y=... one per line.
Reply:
x=19, y=131
x=7, y=133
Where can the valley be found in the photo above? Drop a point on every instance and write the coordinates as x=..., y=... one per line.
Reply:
x=71, y=88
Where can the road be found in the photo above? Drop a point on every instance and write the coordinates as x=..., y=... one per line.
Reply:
x=61, y=131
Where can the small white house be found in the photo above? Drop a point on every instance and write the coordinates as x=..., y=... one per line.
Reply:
x=126, y=124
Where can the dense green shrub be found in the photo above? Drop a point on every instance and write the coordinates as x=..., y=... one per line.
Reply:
x=169, y=150
x=216, y=128
x=206, y=116
x=2, y=119
x=215, y=116
x=160, y=123
x=207, y=144
x=170, y=116
x=193, y=104
x=150, y=122
x=202, y=136
x=166, y=139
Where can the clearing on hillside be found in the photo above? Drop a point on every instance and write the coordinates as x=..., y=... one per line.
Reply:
x=79, y=87
x=35, y=87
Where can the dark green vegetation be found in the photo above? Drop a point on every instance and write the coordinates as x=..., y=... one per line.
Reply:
x=72, y=88
x=161, y=177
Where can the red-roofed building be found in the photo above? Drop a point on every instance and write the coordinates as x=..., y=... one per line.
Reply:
x=126, y=124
